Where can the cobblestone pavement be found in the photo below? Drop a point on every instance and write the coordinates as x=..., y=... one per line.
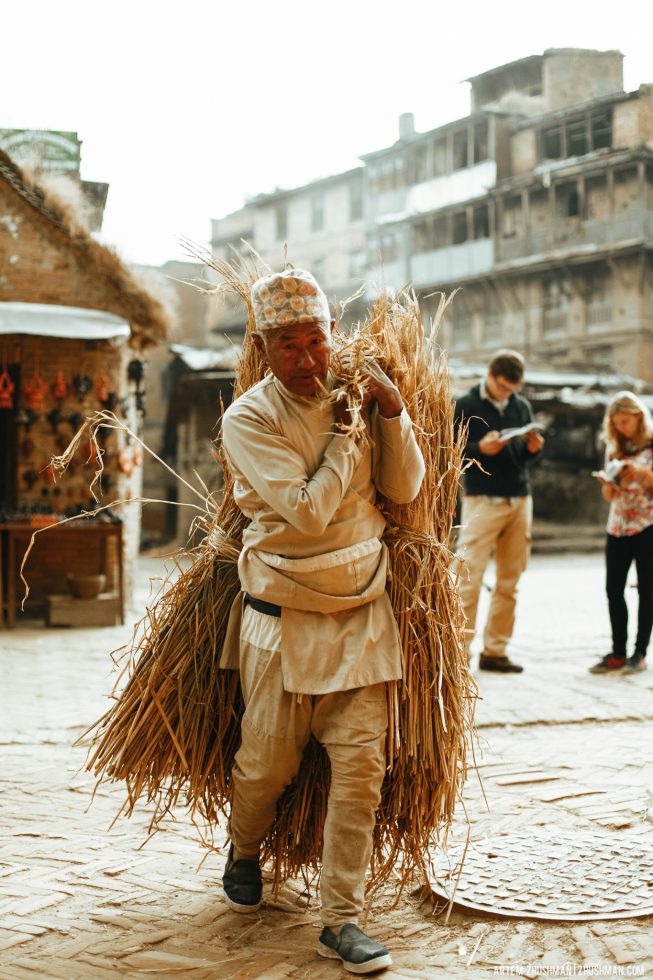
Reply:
x=80, y=897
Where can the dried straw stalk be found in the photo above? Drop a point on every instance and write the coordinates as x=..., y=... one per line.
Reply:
x=173, y=730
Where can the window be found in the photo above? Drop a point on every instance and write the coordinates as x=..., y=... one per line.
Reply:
x=601, y=128
x=480, y=142
x=441, y=236
x=552, y=143
x=420, y=165
x=460, y=149
x=355, y=200
x=577, y=142
x=481, y=221
x=387, y=175
x=317, y=212
x=421, y=236
x=440, y=167
x=281, y=219
x=459, y=227
x=649, y=186
x=578, y=135
x=567, y=200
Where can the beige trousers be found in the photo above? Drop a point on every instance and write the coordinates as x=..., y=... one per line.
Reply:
x=275, y=729
x=501, y=525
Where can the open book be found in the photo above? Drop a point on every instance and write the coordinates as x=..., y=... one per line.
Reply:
x=506, y=434
x=611, y=472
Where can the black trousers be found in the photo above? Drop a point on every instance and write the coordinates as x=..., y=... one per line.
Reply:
x=620, y=552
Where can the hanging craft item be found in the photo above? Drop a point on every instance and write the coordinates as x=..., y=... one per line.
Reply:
x=6, y=385
x=111, y=403
x=59, y=388
x=82, y=383
x=140, y=403
x=35, y=390
x=26, y=417
x=102, y=390
x=49, y=474
x=30, y=477
x=135, y=373
x=54, y=417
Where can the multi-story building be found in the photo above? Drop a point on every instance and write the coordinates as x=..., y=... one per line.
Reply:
x=538, y=205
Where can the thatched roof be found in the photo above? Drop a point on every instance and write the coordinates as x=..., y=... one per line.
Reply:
x=148, y=319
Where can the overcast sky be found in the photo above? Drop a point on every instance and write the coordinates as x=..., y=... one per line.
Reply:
x=187, y=108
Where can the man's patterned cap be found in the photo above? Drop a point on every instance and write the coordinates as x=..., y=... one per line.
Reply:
x=288, y=298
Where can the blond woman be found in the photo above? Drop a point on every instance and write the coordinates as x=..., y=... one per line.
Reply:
x=627, y=485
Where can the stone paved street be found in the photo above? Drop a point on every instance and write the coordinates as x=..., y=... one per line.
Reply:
x=81, y=897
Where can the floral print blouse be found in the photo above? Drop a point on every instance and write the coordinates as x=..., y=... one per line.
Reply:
x=631, y=510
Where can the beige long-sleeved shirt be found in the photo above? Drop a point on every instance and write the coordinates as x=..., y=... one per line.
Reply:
x=313, y=545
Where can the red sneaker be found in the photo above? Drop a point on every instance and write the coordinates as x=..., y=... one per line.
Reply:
x=608, y=664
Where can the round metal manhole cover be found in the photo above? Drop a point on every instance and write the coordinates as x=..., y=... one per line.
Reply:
x=553, y=875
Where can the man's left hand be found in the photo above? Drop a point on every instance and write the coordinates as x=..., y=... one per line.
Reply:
x=387, y=395
x=534, y=442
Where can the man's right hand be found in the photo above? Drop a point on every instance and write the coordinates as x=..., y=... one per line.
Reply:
x=490, y=445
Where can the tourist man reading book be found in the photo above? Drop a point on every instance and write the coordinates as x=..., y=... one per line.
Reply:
x=497, y=504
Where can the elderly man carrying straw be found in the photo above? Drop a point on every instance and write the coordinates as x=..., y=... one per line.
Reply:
x=317, y=639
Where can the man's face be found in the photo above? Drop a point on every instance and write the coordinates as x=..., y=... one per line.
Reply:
x=499, y=388
x=298, y=356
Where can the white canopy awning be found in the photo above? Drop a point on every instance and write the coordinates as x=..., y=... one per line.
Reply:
x=207, y=358
x=72, y=322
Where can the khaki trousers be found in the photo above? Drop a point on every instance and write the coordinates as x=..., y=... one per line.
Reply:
x=276, y=727
x=501, y=525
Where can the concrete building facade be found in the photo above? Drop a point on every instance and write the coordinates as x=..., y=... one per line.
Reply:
x=538, y=205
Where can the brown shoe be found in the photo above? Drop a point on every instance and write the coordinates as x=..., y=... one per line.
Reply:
x=501, y=665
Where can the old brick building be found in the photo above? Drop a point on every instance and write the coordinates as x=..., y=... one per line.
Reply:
x=74, y=325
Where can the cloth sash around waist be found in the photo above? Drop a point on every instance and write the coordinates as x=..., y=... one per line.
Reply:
x=331, y=583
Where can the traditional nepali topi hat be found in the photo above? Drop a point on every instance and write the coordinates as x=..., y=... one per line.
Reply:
x=288, y=298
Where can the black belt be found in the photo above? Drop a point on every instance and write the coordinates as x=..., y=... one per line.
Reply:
x=269, y=608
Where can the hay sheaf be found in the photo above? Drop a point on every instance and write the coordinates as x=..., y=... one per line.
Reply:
x=173, y=730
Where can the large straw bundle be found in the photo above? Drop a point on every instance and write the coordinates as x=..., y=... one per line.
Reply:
x=172, y=733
